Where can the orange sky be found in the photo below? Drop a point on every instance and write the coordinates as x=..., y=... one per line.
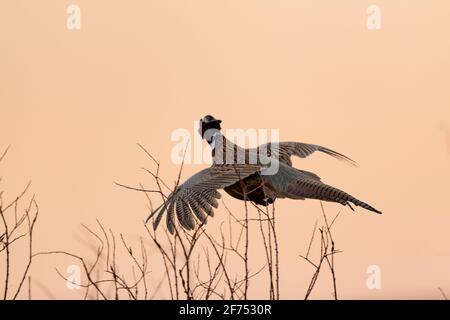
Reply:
x=73, y=104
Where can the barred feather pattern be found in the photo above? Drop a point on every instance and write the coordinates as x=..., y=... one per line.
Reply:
x=284, y=150
x=292, y=183
x=197, y=197
x=313, y=189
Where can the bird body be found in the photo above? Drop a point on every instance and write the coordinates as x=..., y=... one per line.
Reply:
x=260, y=175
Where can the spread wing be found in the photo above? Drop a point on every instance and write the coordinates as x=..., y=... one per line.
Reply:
x=198, y=195
x=284, y=151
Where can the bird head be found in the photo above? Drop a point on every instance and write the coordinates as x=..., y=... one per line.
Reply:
x=208, y=126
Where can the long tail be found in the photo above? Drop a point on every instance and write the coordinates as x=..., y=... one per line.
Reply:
x=314, y=189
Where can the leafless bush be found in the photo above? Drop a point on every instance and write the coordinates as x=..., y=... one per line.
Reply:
x=196, y=264
x=212, y=253
x=200, y=264
x=17, y=221
x=327, y=252
x=105, y=278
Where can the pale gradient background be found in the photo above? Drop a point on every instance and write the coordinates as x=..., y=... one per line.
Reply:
x=73, y=104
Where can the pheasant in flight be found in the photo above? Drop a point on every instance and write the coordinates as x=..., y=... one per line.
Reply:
x=260, y=175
